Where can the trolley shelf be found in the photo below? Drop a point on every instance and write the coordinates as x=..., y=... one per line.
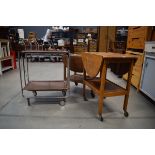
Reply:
x=111, y=89
x=46, y=86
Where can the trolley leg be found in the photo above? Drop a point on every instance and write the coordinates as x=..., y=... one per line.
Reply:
x=100, y=108
x=24, y=70
x=27, y=69
x=28, y=101
x=84, y=86
x=101, y=95
x=34, y=93
x=68, y=72
x=84, y=92
x=20, y=72
x=92, y=94
x=76, y=83
x=64, y=93
x=126, y=114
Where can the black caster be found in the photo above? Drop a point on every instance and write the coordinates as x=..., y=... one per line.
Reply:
x=59, y=59
x=22, y=95
x=76, y=83
x=64, y=93
x=55, y=59
x=119, y=76
x=34, y=93
x=92, y=94
x=28, y=101
x=126, y=114
x=85, y=99
x=101, y=118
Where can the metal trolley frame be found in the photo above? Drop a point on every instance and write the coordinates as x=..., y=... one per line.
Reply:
x=34, y=86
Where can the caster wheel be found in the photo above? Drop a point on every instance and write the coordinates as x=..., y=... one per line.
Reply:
x=62, y=103
x=34, y=93
x=119, y=76
x=76, y=83
x=85, y=99
x=64, y=93
x=126, y=114
x=28, y=101
x=55, y=59
x=92, y=94
x=101, y=118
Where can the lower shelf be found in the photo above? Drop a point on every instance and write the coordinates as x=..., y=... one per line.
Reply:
x=111, y=89
x=6, y=68
x=46, y=86
x=6, y=63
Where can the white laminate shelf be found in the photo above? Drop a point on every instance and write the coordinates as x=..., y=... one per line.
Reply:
x=6, y=68
x=5, y=58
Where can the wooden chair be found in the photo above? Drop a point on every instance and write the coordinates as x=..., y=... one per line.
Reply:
x=76, y=65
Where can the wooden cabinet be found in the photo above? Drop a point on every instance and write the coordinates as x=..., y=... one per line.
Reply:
x=102, y=39
x=106, y=34
x=85, y=40
x=137, y=69
x=78, y=49
x=81, y=45
x=92, y=45
x=137, y=35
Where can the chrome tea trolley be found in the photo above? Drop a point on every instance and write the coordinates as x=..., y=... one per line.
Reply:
x=35, y=86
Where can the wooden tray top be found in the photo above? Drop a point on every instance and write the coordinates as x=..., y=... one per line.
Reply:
x=112, y=55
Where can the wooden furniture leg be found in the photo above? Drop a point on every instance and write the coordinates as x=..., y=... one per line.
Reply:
x=101, y=93
x=128, y=90
x=84, y=86
x=100, y=107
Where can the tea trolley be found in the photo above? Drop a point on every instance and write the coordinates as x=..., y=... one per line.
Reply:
x=96, y=63
x=35, y=86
